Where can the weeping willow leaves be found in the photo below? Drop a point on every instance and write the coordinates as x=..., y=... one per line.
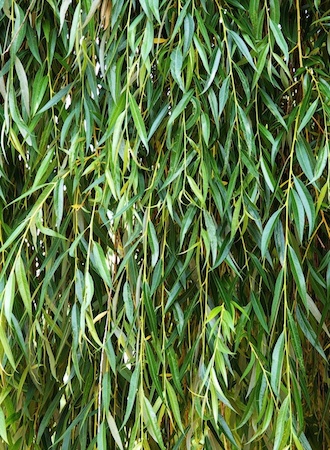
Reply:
x=164, y=224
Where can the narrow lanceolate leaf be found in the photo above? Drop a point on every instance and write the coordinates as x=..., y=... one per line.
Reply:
x=242, y=47
x=258, y=309
x=279, y=38
x=224, y=94
x=3, y=428
x=277, y=363
x=212, y=234
x=180, y=106
x=174, y=404
x=151, y=422
x=153, y=243
x=114, y=429
x=23, y=84
x=153, y=366
x=273, y=108
x=295, y=340
x=55, y=99
x=13, y=237
x=94, y=5
x=64, y=7
x=154, y=7
x=8, y=296
x=138, y=121
x=308, y=331
x=5, y=347
x=321, y=162
x=282, y=425
x=268, y=232
x=101, y=437
x=133, y=387
x=236, y=217
x=196, y=190
x=307, y=202
x=176, y=66
x=23, y=285
x=309, y=114
x=305, y=158
x=267, y=175
x=214, y=69
x=298, y=275
x=100, y=263
x=129, y=306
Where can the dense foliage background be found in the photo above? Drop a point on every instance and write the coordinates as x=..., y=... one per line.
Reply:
x=164, y=212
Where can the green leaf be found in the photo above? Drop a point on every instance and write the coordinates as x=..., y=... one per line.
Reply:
x=298, y=214
x=94, y=5
x=258, y=309
x=307, y=202
x=154, y=7
x=186, y=222
x=236, y=217
x=138, y=121
x=6, y=347
x=174, y=405
x=114, y=429
x=23, y=285
x=267, y=175
x=202, y=54
x=54, y=100
x=273, y=109
x=282, y=425
x=309, y=114
x=180, y=19
x=226, y=430
x=206, y=127
x=64, y=7
x=152, y=423
x=74, y=28
x=129, y=306
x=308, y=331
x=298, y=274
x=100, y=263
x=133, y=387
x=153, y=366
x=214, y=70
x=101, y=437
x=321, y=162
x=189, y=28
x=153, y=243
x=224, y=94
x=212, y=234
x=268, y=231
x=196, y=190
x=242, y=47
x=44, y=169
x=147, y=299
x=148, y=41
x=176, y=66
x=295, y=339
x=13, y=236
x=3, y=428
x=180, y=106
x=278, y=291
x=8, y=296
x=305, y=159
x=24, y=85
x=279, y=38
x=277, y=364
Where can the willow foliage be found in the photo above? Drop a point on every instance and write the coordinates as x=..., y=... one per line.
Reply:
x=164, y=224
